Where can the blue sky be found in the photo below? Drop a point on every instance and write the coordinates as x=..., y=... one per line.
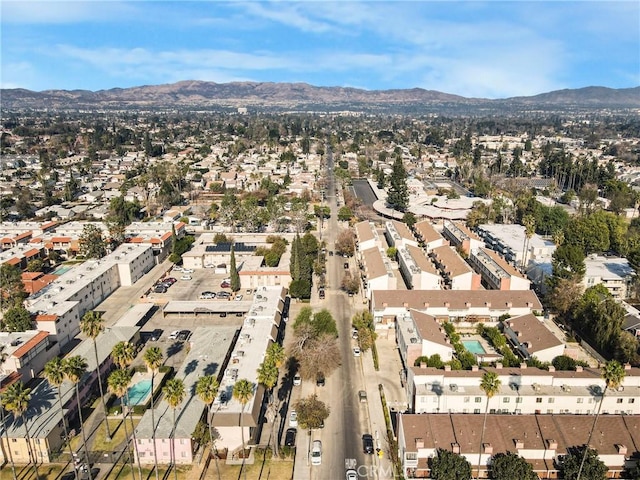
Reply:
x=486, y=49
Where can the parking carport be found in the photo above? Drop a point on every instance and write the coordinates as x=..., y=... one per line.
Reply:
x=205, y=308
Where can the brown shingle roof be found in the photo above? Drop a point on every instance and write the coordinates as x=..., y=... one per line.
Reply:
x=429, y=329
x=532, y=331
x=453, y=263
x=427, y=231
x=374, y=263
x=364, y=231
x=422, y=261
x=457, y=299
x=29, y=344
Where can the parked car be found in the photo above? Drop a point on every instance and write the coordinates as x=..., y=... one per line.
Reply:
x=356, y=352
x=156, y=334
x=223, y=294
x=362, y=396
x=225, y=285
x=352, y=474
x=186, y=277
x=170, y=280
x=297, y=380
x=184, y=335
x=290, y=437
x=293, y=419
x=174, y=335
x=187, y=270
x=207, y=295
x=346, y=265
x=316, y=453
x=238, y=298
x=321, y=293
x=367, y=443
x=160, y=289
x=320, y=379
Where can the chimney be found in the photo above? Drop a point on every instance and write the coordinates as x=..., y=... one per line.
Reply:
x=385, y=304
x=627, y=366
x=455, y=447
x=419, y=443
x=426, y=304
x=519, y=334
x=552, y=444
x=622, y=449
x=523, y=365
x=519, y=443
x=578, y=368
x=447, y=304
x=423, y=364
x=498, y=365
x=474, y=368
x=529, y=305
x=467, y=304
x=447, y=368
x=405, y=305
x=488, y=448
x=509, y=304
x=552, y=368
x=487, y=304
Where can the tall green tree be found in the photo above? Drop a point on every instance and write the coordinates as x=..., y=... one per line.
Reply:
x=118, y=384
x=16, y=400
x=92, y=325
x=613, y=374
x=123, y=353
x=54, y=372
x=398, y=194
x=311, y=412
x=490, y=385
x=510, y=466
x=235, y=277
x=584, y=463
x=446, y=465
x=91, y=242
x=243, y=391
x=12, y=291
x=174, y=393
x=74, y=369
x=16, y=319
x=207, y=389
x=153, y=359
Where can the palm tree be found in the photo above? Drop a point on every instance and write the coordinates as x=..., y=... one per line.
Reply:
x=54, y=373
x=92, y=325
x=268, y=376
x=118, y=384
x=529, y=222
x=16, y=399
x=74, y=369
x=207, y=389
x=613, y=374
x=490, y=384
x=3, y=358
x=174, y=393
x=153, y=359
x=243, y=391
x=123, y=354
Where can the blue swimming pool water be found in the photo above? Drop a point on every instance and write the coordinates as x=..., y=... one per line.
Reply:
x=61, y=270
x=474, y=346
x=138, y=393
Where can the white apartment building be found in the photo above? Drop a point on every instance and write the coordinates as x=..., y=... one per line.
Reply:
x=428, y=235
x=417, y=270
x=456, y=273
x=419, y=334
x=367, y=236
x=378, y=273
x=398, y=234
x=497, y=273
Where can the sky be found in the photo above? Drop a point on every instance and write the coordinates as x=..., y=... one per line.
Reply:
x=488, y=49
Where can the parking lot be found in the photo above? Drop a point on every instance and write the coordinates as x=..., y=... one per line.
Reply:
x=158, y=329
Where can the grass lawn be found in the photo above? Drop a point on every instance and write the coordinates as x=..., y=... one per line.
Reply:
x=25, y=472
x=123, y=472
x=98, y=439
x=273, y=469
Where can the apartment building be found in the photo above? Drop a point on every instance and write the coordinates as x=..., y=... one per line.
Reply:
x=419, y=334
x=509, y=241
x=417, y=270
x=20, y=255
x=614, y=273
x=461, y=237
x=530, y=337
x=398, y=234
x=496, y=273
x=542, y=440
x=377, y=271
x=60, y=306
x=463, y=307
x=524, y=390
x=428, y=236
x=456, y=273
x=26, y=353
x=367, y=236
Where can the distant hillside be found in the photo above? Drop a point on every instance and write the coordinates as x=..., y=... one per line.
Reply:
x=198, y=94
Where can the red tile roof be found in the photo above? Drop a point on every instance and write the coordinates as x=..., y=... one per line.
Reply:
x=29, y=344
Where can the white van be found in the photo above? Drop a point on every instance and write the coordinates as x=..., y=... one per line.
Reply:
x=316, y=453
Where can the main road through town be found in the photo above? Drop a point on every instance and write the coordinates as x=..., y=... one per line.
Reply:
x=348, y=420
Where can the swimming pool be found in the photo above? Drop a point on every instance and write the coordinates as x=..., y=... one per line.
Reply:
x=139, y=392
x=474, y=346
x=61, y=270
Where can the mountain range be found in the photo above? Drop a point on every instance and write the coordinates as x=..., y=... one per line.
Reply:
x=193, y=95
